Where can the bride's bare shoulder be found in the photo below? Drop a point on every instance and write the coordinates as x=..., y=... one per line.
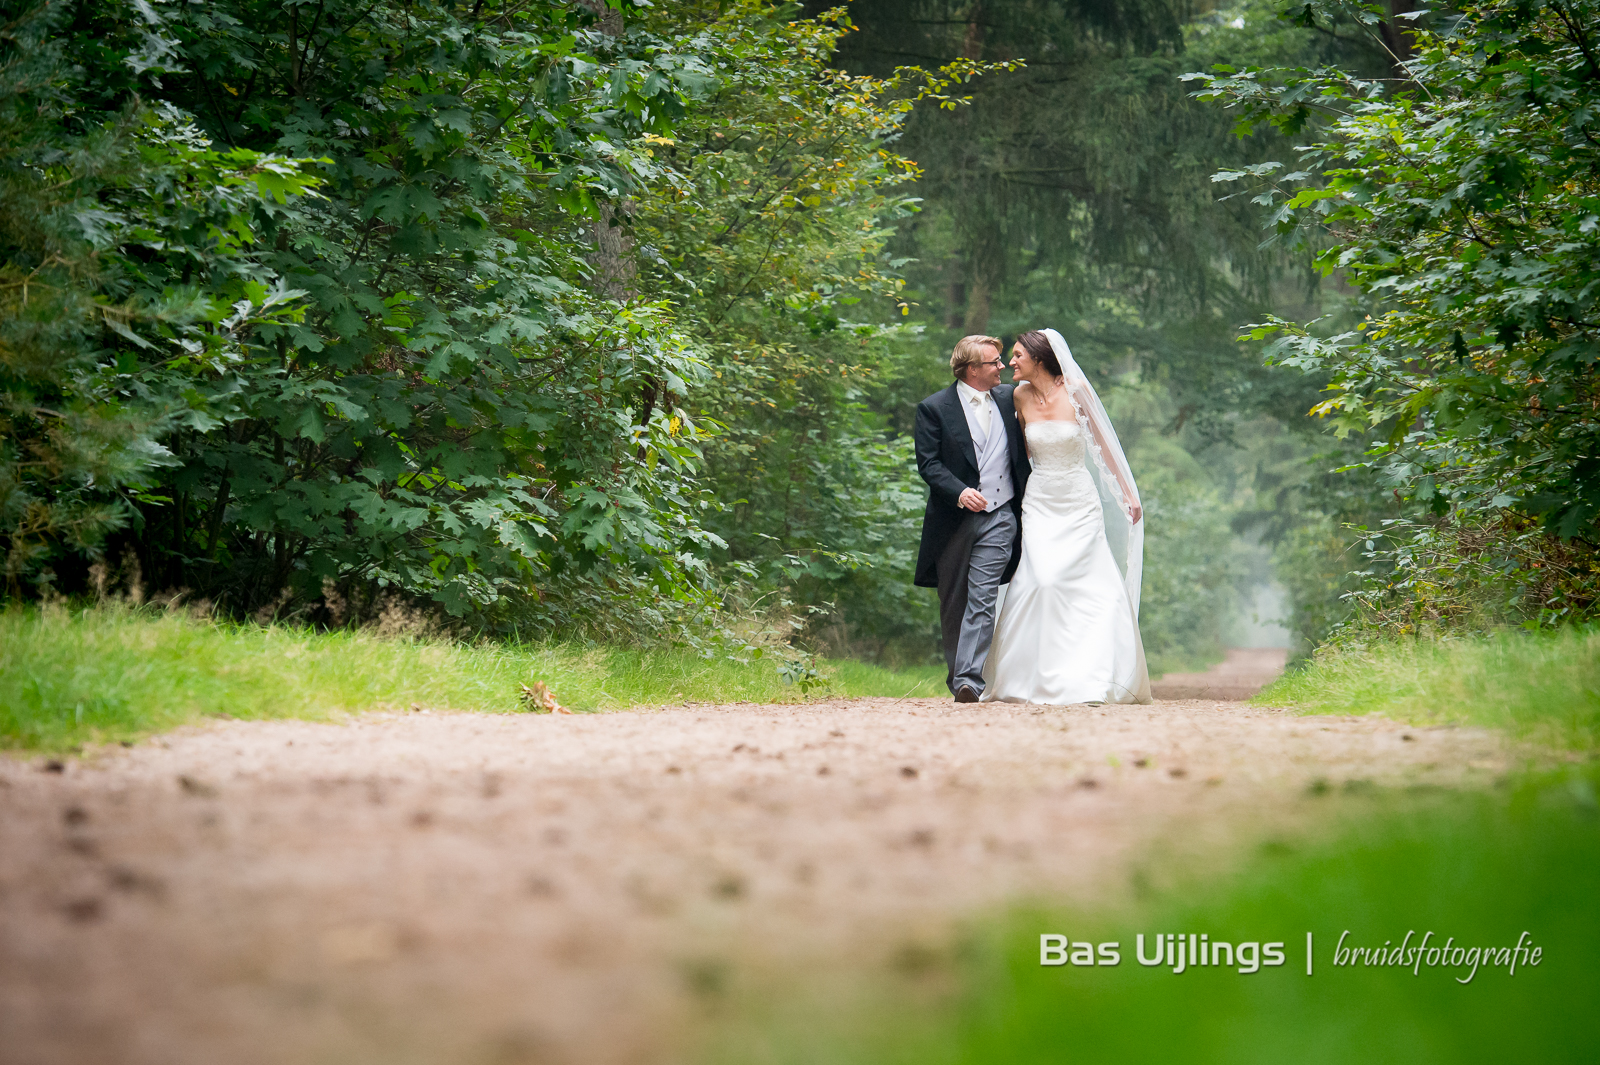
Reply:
x=1019, y=392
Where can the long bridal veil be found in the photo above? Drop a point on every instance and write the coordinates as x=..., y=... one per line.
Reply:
x=1110, y=471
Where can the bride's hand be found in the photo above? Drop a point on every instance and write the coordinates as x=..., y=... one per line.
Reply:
x=1135, y=512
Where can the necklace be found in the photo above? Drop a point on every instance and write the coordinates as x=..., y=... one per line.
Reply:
x=1046, y=400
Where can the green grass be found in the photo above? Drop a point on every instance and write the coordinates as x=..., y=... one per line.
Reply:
x=113, y=673
x=1481, y=867
x=1542, y=686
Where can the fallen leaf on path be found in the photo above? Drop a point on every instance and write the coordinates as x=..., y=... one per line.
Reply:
x=540, y=700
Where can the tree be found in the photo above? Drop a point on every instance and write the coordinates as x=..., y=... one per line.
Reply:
x=449, y=412
x=771, y=240
x=100, y=361
x=514, y=261
x=1077, y=191
x=1465, y=207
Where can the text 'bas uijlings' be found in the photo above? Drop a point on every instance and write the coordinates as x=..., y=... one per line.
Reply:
x=1178, y=952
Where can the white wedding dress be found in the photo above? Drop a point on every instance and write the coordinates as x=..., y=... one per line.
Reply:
x=1068, y=631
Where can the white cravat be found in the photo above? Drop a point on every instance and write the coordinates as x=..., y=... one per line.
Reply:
x=978, y=405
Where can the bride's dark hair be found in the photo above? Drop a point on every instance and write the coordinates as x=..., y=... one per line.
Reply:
x=1036, y=344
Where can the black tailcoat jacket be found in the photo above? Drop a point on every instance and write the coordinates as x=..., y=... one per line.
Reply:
x=948, y=461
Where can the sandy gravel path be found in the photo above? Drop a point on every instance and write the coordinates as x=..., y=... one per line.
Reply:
x=1243, y=672
x=469, y=889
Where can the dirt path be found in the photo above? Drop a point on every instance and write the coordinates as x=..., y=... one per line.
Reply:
x=1242, y=672
x=508, y=890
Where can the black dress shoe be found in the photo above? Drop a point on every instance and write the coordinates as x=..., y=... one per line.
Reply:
x=967, y=694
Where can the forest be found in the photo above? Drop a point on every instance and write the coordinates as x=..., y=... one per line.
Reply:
x=459, y=509
x=605, y=321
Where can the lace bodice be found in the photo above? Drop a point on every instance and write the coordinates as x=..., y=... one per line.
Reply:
x=1057, y=447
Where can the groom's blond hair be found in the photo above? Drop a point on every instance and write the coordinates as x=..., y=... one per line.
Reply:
x=970, y=350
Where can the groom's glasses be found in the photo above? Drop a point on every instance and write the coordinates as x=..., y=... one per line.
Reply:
x=994, y=362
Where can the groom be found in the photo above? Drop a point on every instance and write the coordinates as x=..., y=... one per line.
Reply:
x=970, y=451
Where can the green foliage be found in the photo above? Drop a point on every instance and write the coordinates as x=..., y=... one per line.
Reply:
x=114, y=673
x=398, y=383
x=1195, y=568
x=1076, y=192
x=1469, y=571
x=513, y=268
x=1465, y=209
x=1318, y=566
x=456, y=417
x=771, y=240
x=1544, y=686
x=564, y=323
x=129, y=284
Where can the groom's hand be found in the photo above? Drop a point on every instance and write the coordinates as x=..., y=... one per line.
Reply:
x=973, y=500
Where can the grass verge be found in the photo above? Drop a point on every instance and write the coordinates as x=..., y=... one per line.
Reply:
x=1476, y=870
x=1541, y=686
x=113, y=673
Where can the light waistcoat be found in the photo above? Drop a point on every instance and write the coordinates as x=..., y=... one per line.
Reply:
x=994, y=456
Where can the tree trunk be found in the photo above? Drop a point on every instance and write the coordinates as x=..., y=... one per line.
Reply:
x=955, y=311
x=1396, y=33
x=614, y=268
x=972, y=40
x=977, y=317
x=986, y=269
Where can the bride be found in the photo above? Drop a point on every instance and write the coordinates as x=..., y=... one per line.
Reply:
x=1069, y=629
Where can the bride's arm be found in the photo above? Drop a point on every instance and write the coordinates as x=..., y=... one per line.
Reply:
x=1124, y=477
x=1022, y=422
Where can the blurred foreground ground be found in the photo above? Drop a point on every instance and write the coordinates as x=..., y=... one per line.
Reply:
x=504, y=890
